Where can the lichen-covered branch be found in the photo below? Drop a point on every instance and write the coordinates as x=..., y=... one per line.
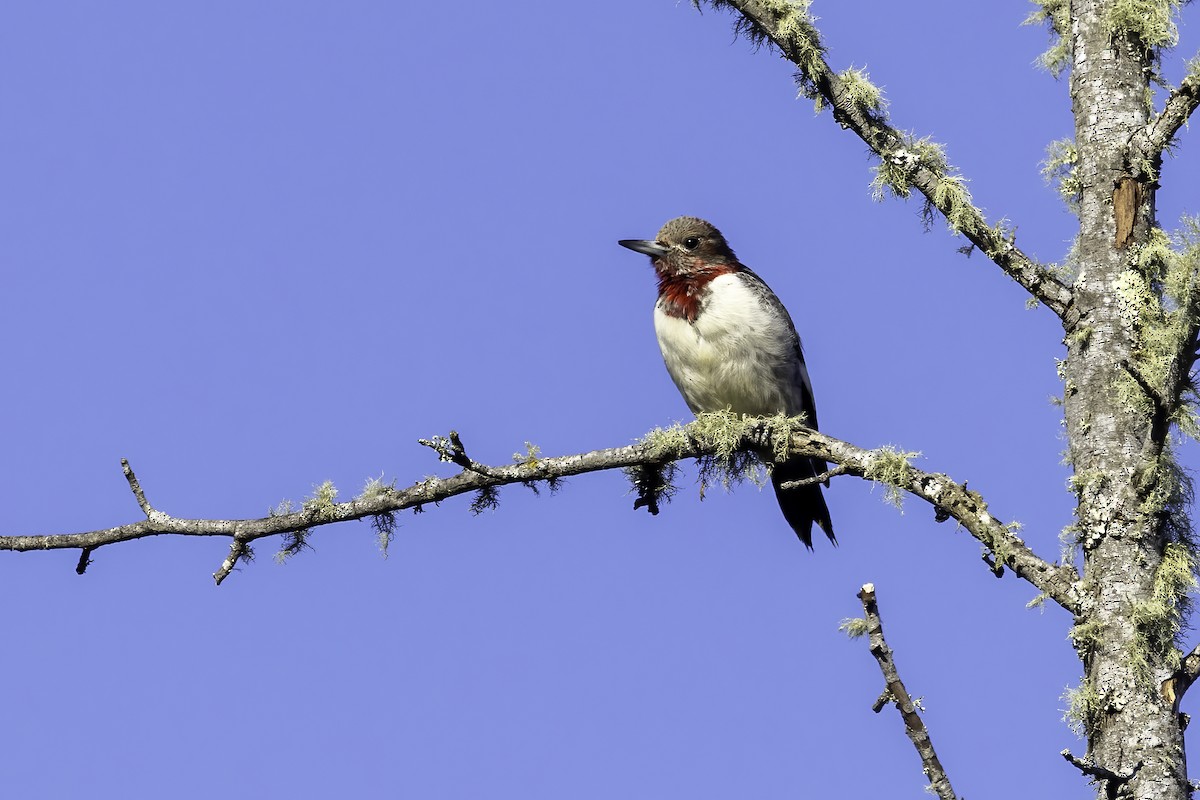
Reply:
x=950, y=500
x=896, y=692
x=1148, y=145
x=725, y=438
x=905, y=163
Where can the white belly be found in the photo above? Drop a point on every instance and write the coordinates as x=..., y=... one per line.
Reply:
x=739, y=354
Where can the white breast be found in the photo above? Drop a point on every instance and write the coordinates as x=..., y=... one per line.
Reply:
x=739, y=354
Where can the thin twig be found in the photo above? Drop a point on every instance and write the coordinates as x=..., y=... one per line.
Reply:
x=824, y=476
x=136, y=487
x=898, y=694
x=238, y=550
x=451, y=449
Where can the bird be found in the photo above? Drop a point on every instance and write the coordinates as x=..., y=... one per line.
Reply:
x=730, y=344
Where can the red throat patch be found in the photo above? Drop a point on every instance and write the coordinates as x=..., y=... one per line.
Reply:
x=680, y=295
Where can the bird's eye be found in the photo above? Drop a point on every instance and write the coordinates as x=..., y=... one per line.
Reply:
x=691, y=243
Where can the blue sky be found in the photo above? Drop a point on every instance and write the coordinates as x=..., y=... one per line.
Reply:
x=255, y=246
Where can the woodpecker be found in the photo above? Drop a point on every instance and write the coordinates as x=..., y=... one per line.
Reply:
x=729, y=344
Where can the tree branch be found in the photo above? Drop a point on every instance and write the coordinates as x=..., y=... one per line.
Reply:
x=1112, y=780
x=950, y=500
x=897, y=693
x=712, y=435
x=1150, y=142
x=905, y=163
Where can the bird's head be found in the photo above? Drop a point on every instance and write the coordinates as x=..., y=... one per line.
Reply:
x=685, y=246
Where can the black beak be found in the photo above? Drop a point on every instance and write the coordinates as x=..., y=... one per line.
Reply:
x=652, y=249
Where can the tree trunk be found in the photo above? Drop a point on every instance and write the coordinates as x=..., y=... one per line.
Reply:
x=1124, y=476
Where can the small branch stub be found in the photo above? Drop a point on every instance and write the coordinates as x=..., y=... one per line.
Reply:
x=136, y=488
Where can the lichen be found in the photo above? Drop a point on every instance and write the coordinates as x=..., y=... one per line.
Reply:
x=1080, y=337
x=1084, y=706
x=896, y=174
x=1061, y=170
x=1159, y=298
x=1158, y=619
x=858, y=91
x=853, y=627
x=375, y=488
x=787, y=25
x=384, y=525
x=741, y=443
x=530, y=457
x=1150, y=23
x=891, y=468
x=1085, y=635
x=1057, y=14
x=320, y=505
x=486, y=499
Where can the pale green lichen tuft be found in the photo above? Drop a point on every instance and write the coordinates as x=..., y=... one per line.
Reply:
x=667, y=442
x=732, y=461
x=1088, y=481
x=891, y=468
x=321, y=505
x=1057, y=14
x=384, y=523
x=1068, y=540
x=281, y=509
x=896, y=170
x=1159, y=297
x=1084, y=706
x=1193, y=70
x=896, y=174
x=853, y=627
x=1085, y=636
x=1150, y=23
x=1159, y=619
x=530, y=457
x=857, y=90
x=1061, y=170
x=375, y=489
x=1079, y=338
x=950, y=196
x=385, y=530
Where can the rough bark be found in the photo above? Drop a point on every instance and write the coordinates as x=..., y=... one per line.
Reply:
x=1115, y=447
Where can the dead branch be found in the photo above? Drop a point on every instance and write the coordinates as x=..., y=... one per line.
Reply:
x=953, y=500
x=897, y=693
x=788, y=28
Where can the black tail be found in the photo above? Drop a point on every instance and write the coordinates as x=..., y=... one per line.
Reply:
x=802, y=505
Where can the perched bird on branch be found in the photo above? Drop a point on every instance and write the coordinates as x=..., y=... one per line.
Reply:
x=729, y=344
